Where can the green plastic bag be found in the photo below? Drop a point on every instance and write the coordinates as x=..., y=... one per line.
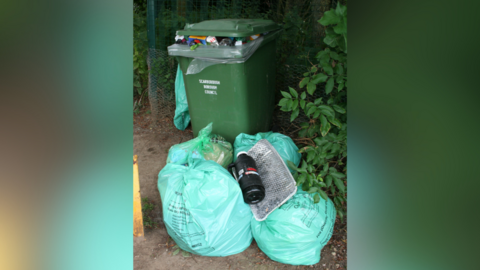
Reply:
x=206, y=146
x=203, y=209
x=182, y=116
x=284, y=145
x=296, y=232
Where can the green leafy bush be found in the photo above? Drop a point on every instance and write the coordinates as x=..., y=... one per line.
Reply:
x=324, y=136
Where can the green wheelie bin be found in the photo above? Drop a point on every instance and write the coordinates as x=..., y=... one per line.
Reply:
x=232, y=86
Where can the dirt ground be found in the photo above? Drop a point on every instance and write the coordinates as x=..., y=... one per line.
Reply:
x=154, y=251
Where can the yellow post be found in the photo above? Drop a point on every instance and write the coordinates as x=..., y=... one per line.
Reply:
x=137, y=202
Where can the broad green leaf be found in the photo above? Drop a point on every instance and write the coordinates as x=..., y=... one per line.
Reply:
x=316, y=198
x=289, y=104
x=311, y=87
x=325, y=125
x=339, y=184
x=310, y=178
x=326, y=107
x=301, y=179
x=334, y=56
x=328, y=70
x=335, y=148
x=339, y=69
x=329, y=17
x=323, y=194
x=317, y=113
x=185, y=254
x=303, y=95
x=310, y=156
x=295, y=113
x=335, y=122
x=136, y=84
x=319, y=78
x=339, y=109
x=310, y=104
x=306, y=73
x=330, y=100
x=305, y=186
x=329, y=85
x=283, y=101
x=341, y=10
x=328, y=180
x=285, y=94
x=302, y=103
x=341, y=28
x=293, y=92
x=295, y=104
x=176, y=252
x=332, y=169
x=313, y=69
x=135, y=65
x=341, y=86
x=339, y=79
x=338, y=175
x=311, y=110
x=302, y=133
x=328, y=114
x=312, y=190
x=304, y=165
x=304, y=82
x=320, y=141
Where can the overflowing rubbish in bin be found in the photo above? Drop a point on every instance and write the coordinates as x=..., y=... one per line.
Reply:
x=206, y=146
x=203, y=208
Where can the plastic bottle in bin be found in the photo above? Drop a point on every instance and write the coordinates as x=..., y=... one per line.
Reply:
x=246, y=174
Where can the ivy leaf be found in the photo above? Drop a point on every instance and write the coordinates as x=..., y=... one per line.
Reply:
x=316, y=198
x=319, y=78
x=329, y=85
x=341, y=27
x=311, y=87
x=302, y=103
x=325, y=125
x=304, y=82
x=285, y=94
x=176, y=252
x=295, y=113
x=339, y=184
x=283, y=102
x=339, y=109
x=329, y=17
x=328, y=180
x=293, y=92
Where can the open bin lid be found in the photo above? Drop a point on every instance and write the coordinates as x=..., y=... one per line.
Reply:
x=229, y=28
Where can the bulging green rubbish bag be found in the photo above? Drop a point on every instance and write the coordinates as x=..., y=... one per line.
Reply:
x=284, y=145
x=206, y=146
x=203, y=209
x=296, y=232
x=182, y=115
